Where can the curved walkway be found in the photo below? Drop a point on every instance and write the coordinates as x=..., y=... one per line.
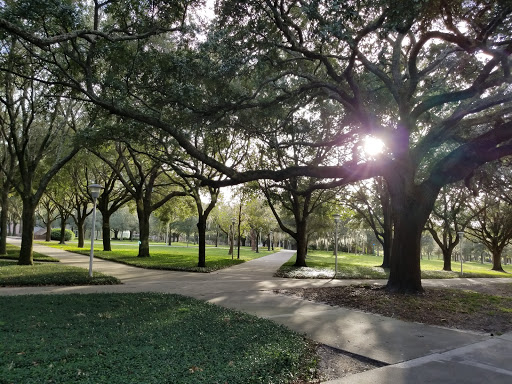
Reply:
x=417, y=353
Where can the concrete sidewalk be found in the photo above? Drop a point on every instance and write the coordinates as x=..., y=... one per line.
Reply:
x=417, y=353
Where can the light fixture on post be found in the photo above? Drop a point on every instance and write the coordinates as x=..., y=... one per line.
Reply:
x=461, y=236
x=94, y=190
x=336, y=221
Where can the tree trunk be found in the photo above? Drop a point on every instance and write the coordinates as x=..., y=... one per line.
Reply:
x=447, y=259
x=143, y=217
x=411, y=207
x=105, y=230
x=302, y=244
x=3, y=220
x=81, y=233
x=48, y=227
x=62, y=229
x=405, y=273
x=201, y=230
x=27, y=234
x=387, y=247
x=253, y=240
x=496, y=261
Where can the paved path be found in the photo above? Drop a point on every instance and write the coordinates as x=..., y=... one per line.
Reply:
x=417, y=353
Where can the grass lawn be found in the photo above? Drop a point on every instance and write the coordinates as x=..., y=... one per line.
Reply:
x=39, y=274
x=13, y=253
x=352, y=266
x=175, y=257
x=144, y=338
x=44, y=272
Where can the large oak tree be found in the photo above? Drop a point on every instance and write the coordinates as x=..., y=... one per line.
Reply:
x=430, y=78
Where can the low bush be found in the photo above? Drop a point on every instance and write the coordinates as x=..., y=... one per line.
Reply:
x=68, y=235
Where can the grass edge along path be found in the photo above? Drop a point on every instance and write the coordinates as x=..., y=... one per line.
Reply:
x=13, y=253
x=45, y=271
x=174, y=258
x=145, y=338
x=354, y=266
x=49, y=274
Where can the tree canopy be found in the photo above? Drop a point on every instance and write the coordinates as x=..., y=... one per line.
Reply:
x=429, y=78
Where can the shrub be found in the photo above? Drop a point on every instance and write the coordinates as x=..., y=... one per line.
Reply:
x=68, y=235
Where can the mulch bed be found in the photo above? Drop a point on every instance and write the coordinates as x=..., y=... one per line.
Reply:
x=484, y=308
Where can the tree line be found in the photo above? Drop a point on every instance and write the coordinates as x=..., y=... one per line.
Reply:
x=278, y=93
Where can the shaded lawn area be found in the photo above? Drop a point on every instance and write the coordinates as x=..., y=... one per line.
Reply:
x=45, y=271
x=460, y=308
x=177, y=258
x=352, y=266
x=144, y=338
x=40, y=274
x=13, y=253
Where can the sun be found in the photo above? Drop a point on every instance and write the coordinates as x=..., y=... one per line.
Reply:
x=373, y=146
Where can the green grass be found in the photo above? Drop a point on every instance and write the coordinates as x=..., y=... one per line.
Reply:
x=352, y=266
x=39, y=274
x=143, y=338
x=44, y=273
x=13, y=253
x=175, y=257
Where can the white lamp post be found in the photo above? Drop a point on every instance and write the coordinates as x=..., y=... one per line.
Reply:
x=461, y=236
x=336, y=221
x=95, y=190
x=232, y=237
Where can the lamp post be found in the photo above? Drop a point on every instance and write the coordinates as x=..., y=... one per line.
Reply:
x=94, y=190
x=461, y=236
x=336, y=221
x=269, y=233
x=238, y=239
x=272, y=239
x=232, y=237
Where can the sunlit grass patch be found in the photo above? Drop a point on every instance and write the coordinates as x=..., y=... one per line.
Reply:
x=40, y=274
x=178, y=258
x=321, y=264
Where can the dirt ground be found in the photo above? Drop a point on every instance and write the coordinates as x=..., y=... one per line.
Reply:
x=335, y=364
x=485, y=308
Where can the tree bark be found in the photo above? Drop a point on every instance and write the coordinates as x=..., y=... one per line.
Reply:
x=201, y=230
x=27, y=234
x=411, y=206
x=302, y=244
x=387, y=235
x=143, y=216
x=496, y=260
x=48, y=237
x=447, y=259
x=62, y=229
x=105, y=230
x=387, y=247
x=3, y=220
x=81, y=234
